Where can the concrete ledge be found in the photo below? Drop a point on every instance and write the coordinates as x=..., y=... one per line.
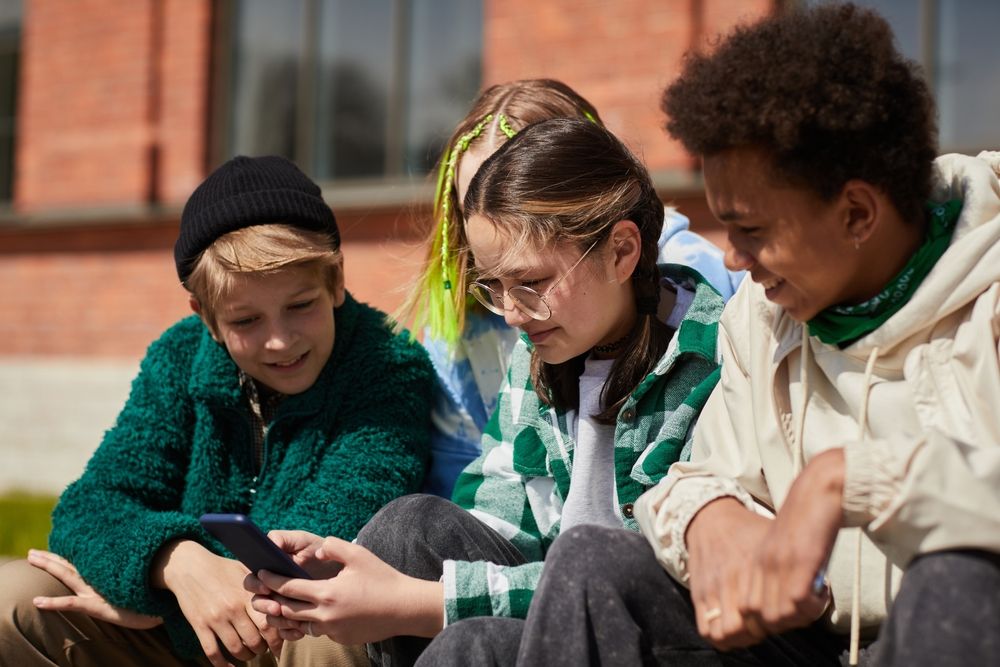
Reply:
x=53, y=414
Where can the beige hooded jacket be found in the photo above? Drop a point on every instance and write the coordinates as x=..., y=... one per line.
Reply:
x=915, y=404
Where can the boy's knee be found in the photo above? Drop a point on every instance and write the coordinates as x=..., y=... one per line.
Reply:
x=968, y=581
x=962, y=587
x=402, y=520
x=21, y=582
x=598, y=551
x=476, y=641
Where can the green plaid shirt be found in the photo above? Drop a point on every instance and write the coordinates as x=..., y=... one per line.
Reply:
x=518, y=485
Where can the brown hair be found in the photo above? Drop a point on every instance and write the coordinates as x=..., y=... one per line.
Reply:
x=569, y=181
x=259, y=249
x=438, y=299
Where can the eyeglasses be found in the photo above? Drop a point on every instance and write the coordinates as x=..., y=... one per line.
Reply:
x=525, y=299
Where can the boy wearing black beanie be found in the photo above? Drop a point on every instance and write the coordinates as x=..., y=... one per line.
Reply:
x=251, y=406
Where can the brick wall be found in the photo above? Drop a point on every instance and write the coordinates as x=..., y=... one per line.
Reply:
x=113, y=102
x=108, y=290
x=618, y=55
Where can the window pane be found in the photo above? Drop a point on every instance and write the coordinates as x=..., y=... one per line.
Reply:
x=968, y=74
x=10, y=47
x=266, y=53
x=353, y=87
x=445, y=71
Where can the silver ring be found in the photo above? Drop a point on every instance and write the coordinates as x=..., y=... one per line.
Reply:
x=309, y=629
x=712, y=614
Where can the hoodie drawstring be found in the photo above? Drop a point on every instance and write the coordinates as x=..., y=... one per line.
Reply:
x=799, y=455
x=856, y=588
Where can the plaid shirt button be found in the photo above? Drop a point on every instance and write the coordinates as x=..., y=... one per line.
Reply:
x=627, y=510
x=628, y=415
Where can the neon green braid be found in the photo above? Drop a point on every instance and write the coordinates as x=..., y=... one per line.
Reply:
x=505, y=126
x=442, y=304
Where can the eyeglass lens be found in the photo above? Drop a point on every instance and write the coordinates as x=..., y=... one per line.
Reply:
x=524, y=299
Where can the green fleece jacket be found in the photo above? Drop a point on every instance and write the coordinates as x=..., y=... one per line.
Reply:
x=182, y=446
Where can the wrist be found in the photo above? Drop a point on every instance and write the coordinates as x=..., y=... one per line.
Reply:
x=828, y=473
x=712, y=516
x=712, y=528
x=425, y=608
x=167, y=565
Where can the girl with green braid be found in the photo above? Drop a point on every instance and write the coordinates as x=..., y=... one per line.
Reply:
x=470, y=346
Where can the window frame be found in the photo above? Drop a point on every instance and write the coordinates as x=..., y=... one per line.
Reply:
x=394, y=187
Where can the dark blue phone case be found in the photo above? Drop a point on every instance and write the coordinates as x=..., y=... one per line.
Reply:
x=250, y=545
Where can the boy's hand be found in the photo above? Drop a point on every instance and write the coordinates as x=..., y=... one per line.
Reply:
x=210, y=594
x=718, y=539
x=797, y=545
x=84, y=599
x=367, y=601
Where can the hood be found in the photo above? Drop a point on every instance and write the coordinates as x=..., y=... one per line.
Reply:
x=968, y=267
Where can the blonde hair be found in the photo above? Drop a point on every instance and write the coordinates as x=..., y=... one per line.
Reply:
x=259, y=249
x=438, y=300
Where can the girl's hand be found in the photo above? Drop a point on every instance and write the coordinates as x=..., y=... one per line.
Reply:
x=780, y=596
x=84, y=599
x=366, y=601
x=302, y=546
x=718, y=539
x=210, y=593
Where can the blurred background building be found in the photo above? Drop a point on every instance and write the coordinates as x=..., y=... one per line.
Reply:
x=112, y=111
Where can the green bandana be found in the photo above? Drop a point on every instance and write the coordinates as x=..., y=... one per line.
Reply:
x=842, y=325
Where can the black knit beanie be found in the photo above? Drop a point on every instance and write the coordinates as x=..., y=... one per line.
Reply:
x=249, y=191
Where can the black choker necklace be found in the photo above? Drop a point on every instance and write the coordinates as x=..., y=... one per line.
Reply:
x=613, y=346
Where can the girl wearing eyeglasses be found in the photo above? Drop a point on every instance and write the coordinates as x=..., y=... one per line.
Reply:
x=469, y=345
x=616, y=358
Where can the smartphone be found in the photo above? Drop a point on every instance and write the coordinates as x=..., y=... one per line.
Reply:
x=250, y=545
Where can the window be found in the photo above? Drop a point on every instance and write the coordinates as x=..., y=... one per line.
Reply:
x=955, y=42
x=352, y=90
x=10, y=51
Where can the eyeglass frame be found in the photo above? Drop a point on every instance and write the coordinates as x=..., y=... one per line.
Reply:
x=502, y=309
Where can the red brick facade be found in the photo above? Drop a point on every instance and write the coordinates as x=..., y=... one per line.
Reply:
x=112, y=136
x=113, y=103
x=618, y=55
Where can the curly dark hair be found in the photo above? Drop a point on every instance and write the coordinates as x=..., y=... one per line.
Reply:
x=824, y=92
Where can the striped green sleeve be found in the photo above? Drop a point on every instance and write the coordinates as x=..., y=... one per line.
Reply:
x=486, y=589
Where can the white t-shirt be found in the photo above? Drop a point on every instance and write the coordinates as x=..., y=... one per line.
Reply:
x=591, y=498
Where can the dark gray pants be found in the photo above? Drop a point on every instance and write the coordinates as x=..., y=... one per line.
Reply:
x=604, y=600
x=416, y=534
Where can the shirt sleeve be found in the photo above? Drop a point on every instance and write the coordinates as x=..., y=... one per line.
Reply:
x=515, y=505
x=721, y=465
x=937, y=490
x=130, y=492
